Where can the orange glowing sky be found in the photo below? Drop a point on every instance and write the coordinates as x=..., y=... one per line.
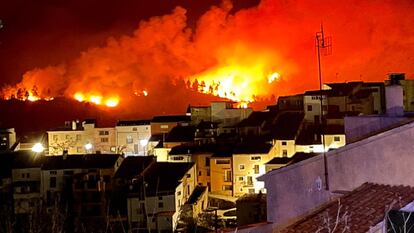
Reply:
x=246, y=55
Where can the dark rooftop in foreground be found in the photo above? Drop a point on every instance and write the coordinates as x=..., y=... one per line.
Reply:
x=365, y=207
x=287, y=125
x=79, y=161
x=133, y=122
x=132, y=166
x=171, y=118
x=181, y=134
x=255, y=119
x=164, y=177
x=197, y=193
x=252, y=148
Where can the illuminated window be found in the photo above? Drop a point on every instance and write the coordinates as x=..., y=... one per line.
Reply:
x=164, y=126
x=129, y=139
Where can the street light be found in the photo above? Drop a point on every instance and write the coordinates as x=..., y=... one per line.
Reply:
x=38, y=148
x=88, y=147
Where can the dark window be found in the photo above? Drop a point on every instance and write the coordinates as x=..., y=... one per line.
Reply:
x=160, y=205
x=309, y=107
x=256, y=169
x=207, y=162
x=284, y=143
x=199, y=173
x=249, y=180
x=103, y=132
x=52, y=182
x=227, y=176
x=337, y=139
x=208, y=172
x=160, y=198
x=223, y=161
x=284, y=153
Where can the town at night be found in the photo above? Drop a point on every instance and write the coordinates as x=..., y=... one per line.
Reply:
x=231, y=116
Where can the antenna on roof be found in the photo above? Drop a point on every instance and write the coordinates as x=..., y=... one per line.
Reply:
x=324, y=47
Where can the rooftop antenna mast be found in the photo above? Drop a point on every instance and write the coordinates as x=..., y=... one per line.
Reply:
x=324, y=47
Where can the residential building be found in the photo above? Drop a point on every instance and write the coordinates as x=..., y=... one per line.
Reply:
x=257, y=124
x=164, y=124
x=312, y=105
x=221, y=172
x=7, y=138
x=81, y=138
x=179, y=135
x=125, y=176
x=290, y=103
x=248, y=163
x=226, y=115
x=159, y=195
x=132, y=136
x=83, y=182
x=26, y=182
x=199, y=114
x=285, y=131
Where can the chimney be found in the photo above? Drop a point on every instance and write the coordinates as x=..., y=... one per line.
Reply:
x=394, y=95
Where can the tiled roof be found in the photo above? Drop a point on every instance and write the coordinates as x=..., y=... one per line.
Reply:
x=133, y=122
x=362, y=208
x=132, y=166
x=171, y=118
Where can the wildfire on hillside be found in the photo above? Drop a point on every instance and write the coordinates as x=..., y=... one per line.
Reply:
x=244, y=56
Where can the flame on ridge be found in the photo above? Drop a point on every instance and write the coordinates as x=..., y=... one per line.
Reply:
x=111, y=101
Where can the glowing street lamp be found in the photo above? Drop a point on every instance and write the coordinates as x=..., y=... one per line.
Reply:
x=88, y=146
x=38, y=148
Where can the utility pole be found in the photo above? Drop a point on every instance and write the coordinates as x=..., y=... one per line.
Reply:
x=324, y=46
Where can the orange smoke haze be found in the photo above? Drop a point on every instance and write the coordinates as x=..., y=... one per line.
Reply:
x=253, y=54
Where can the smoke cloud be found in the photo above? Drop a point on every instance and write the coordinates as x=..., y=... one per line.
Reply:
x=370, y=39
